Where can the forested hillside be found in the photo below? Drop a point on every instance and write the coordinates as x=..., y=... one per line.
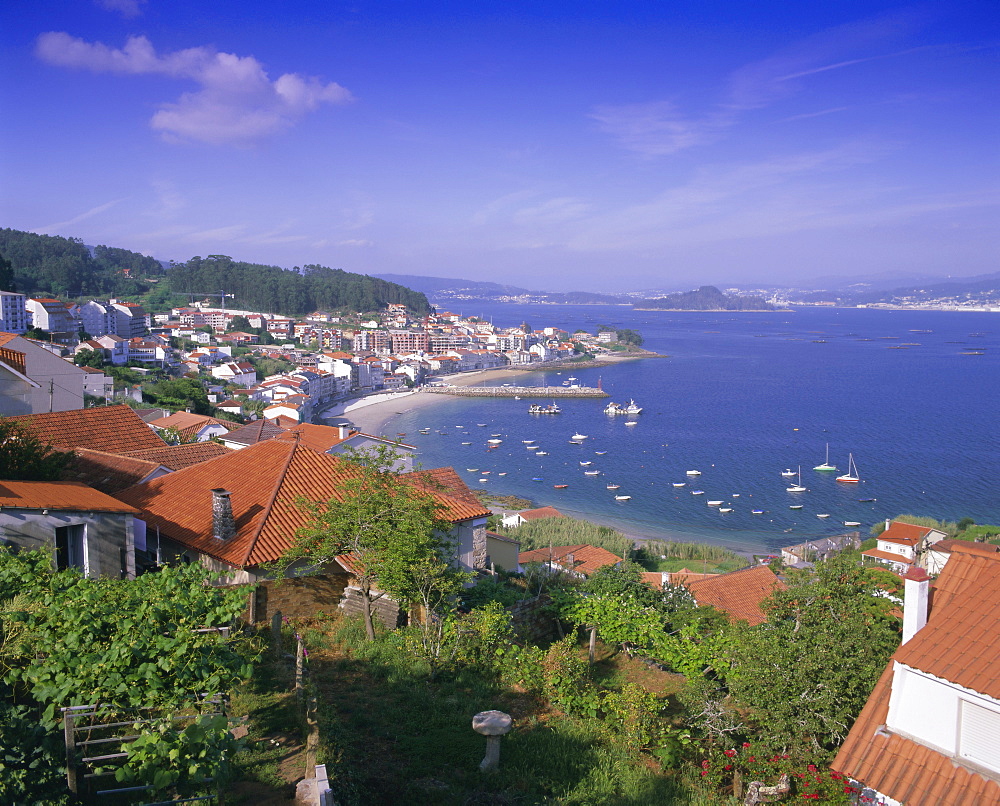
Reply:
x=64, y=267
x=706, y=298
x=272, y=289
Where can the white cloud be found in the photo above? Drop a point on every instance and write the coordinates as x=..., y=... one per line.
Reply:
x=655, y=129
x=127, y=8
x=62, y=225
x=355, y=242
x=236, y=101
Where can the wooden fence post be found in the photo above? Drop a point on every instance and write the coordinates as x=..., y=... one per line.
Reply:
x=299, y=663
x=276, y=633
x=68, y=732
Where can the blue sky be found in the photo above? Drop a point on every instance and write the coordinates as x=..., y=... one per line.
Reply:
x=583, y=145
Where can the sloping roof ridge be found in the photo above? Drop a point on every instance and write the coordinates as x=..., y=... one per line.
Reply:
x=266, y=512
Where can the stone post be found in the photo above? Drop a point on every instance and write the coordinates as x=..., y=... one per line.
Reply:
x=493, y=725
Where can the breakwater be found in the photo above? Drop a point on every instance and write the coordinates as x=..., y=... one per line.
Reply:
x=517, y=391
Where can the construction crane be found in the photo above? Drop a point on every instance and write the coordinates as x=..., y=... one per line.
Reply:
x=221, y=294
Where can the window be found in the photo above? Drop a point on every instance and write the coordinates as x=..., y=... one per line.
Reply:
x=979, y=736
x=70, y=547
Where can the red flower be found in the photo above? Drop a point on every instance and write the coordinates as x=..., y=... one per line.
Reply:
x=751, y=758
x=811, y=768
x=704, y=764
x=730, y=753
x=703, y=773
x=746, y=744
x=728, y=767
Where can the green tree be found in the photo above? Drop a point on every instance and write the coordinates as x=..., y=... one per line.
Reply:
x=241, y=323
x=6, y=275
x=629, y=336
x=805, y=674
x=89, y=358
x=394, y=532
x=24, y=457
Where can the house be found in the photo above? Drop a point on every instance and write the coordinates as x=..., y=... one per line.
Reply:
x=191, y=426
x=13, y=314
x=805, y=555
x=251, y=434
x=33, y=380
x=98, y=384
x=738, y=594
x=517, y=518
x=903, y=546
x=580, y=560
x=111, y=472
x=114, y=429
x=236, y=521
x=59, y=319
x=502, y=552
x=88, y=529
x=930, y=731
x=240, y=373
x=177, y=457
x=342, y=439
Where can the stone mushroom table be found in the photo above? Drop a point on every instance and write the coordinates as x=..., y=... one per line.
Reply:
x=493, y=725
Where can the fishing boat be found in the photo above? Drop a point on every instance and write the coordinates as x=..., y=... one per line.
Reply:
x=851, y=476
x=852, y=523
x=631, y=408
x=560, y=486
x=823, y=515
x=579, y=436
x=797, y=487
x=680, y=484
x=826, y=467
x=787, y=473
x=623, y=498
x=613, y=486
x=693, y=472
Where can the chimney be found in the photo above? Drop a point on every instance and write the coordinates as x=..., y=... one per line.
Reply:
x=343, y=431
x=916, y=585
x=223, y=524
x=888, y=523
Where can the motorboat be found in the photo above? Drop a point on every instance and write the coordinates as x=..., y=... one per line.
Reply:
x=852, y=523
x=756, y=512
x=542, y=453
x=579, y=436
x=693, y=472
x=494, y=441
x=714, y=503
x=591, y=472
x=613, y=486
x=788, y=473
x=823, y=515
x=584, y=464
x=623, y=498
x=680, y=484
x=697, y=492
x=725, y=509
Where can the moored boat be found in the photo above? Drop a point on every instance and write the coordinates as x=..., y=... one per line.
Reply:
x=851, y=476
x=826, y=467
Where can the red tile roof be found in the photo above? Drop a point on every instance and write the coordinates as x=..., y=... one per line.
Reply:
x=586, y=558
x=189, y=424
x=60, y=495
x=886, y=555
x=108, y=472
x=177, y=457
x=252, y=433
x=905, y=533
x=115, y=429
x=738, y=593
x=958, y=644
x=267, y=519
x=541, y=512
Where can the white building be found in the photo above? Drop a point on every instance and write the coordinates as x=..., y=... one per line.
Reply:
x=13, y=314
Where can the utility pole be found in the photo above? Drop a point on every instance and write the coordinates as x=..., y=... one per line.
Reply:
x=51, y=393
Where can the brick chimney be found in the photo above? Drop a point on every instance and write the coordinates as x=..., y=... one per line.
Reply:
x=916, y=585
x=223, y=524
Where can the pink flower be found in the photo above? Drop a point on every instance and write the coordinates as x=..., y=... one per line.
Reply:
x=705, y=764
x=811, y=768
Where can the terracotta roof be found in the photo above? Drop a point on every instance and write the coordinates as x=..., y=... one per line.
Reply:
x=684, y=576
x=959, y=644
x=115, y=429
x=887, y=555
x=541, y=512
x=180, y=504
x=445, y=481
x=61, y=495
x=502, y=538
x=906, y=533
x=252, y=433
x=6, y=337
x=177, y=457
x=189, y=424
x=586, y=558
x=318, y=437
x=108, y=472
x=738, y=593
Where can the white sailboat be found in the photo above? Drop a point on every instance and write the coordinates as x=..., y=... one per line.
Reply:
x=851, y=476
x=797, y=487
x=826, y=467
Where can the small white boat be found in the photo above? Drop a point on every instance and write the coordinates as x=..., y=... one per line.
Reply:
x=591, y=472
x=697, y=492
x=579, y=436
x=494, y=441
x=693, y=472
x=575, y=442
x=725, y=509
x=599, y=453
x=542, y=453
x=735, y=495
x=680, y=484
x=823, y=515
x=613, y=486
x=623, y=498
x=852, y=523
x=826, y=467
x=851, y=476
x=532, y=447
x=631, y=408
x=756, y=512
x=466, y=443
x=527, y=441
x=481, y=425
x=788, y=473
x=714, y=503
x=472, y=469
x=632, y=422
x=797, y=487
x=485, y=472
x=795, y=506
x=502, y=474
x=584, y=464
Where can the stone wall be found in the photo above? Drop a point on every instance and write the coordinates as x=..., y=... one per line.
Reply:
x=531, y=622
x=300, y=597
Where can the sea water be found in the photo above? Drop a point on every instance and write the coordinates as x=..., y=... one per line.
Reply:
x=741, y=397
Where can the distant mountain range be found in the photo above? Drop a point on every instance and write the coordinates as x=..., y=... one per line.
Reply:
x=449, y=288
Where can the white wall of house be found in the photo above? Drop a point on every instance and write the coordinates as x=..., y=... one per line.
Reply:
x=60, y=382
